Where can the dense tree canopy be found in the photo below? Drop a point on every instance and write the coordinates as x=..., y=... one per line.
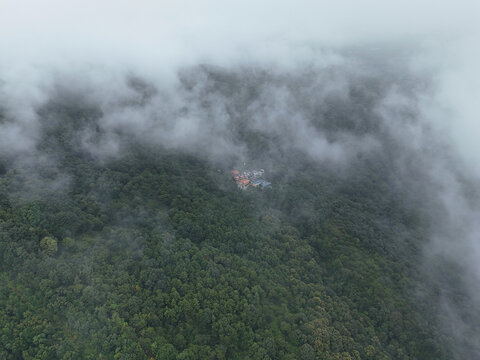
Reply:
x=156, y=254
x=161, y=256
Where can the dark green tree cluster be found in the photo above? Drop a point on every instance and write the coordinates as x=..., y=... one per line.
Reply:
x=156, y=254
x=160, y=256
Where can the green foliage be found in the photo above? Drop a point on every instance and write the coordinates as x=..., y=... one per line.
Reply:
x=49, y=245
x=162, y=257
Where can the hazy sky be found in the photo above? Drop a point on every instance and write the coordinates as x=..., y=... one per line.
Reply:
x=144, y=31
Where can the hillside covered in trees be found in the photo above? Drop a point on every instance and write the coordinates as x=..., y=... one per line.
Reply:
x=156, y=254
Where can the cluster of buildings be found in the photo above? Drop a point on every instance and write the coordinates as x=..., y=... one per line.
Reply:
x=252, y=178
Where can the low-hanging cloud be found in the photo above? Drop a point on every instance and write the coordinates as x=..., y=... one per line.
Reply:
x=156, y=39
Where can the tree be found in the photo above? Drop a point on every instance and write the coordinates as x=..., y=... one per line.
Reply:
x=49, y=245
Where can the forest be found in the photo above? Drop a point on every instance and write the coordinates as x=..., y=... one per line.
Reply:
x=156, y=254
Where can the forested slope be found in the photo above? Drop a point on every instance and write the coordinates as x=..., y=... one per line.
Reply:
x=154, y=253
x=160, y=256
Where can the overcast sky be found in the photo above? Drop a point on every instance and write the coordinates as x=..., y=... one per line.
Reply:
x=186, y=30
